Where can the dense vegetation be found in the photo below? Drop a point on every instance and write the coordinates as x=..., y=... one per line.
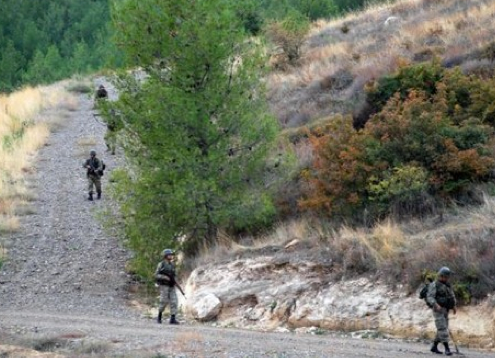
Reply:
x=430, y=140
x=45, y=41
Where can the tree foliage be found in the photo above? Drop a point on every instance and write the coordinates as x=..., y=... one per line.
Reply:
x=37, y=35
x=196, y=123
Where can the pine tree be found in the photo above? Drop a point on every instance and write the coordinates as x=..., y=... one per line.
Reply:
x=197, y=126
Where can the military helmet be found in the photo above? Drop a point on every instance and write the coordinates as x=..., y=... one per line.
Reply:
x=92, y=152
x=444, y=271
x=167, y=252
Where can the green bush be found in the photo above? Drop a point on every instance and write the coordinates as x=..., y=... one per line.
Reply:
x=422, y=77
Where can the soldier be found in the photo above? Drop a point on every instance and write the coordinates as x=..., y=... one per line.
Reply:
x=111, y=133
x=165, y=278
x=441, y=299
x=101, y=93
x=94, y=172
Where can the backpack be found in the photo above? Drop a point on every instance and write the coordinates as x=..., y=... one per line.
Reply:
x=424, y=292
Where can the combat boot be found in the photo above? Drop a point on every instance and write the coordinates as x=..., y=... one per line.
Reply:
x=90, y=197
x=98, y=195
x=159, y=319
x=434, y=348
x=173, y=320
x=447, y=349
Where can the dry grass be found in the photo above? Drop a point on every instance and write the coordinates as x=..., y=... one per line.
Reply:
x=456, y=31
x=26, y=117
x=398, y=252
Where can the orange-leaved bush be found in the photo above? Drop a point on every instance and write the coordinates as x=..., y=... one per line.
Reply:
x=410, y=141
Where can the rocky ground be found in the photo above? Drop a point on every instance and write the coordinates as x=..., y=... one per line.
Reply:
x=64, y=291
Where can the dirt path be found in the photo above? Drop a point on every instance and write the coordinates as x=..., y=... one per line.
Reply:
x=65, y=280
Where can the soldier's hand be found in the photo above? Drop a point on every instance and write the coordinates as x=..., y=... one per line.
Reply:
x=454, y=310
x=437, y=307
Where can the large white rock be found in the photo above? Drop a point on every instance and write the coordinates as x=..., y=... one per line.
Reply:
x=273, y=291
x=205, y=307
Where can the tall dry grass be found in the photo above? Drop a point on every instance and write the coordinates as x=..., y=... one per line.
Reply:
x=365, y=45
x=399, y=253
x=23, y=130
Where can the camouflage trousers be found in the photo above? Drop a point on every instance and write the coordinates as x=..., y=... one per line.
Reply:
x=111, y=140
x=168, y=296
x=94, y=180
x=442, y=324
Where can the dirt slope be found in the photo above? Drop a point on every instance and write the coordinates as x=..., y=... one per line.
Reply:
x=63, y=288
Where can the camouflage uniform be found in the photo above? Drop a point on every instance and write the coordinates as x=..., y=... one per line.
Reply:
x=442, y=294
x=101, y=93
x=167, y=290
x=111, y=134
x=94, y=178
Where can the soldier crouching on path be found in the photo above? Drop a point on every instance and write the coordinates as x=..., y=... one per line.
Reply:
x=94, y=167
x=101, y=93
x=165, y=278
x=441, y=299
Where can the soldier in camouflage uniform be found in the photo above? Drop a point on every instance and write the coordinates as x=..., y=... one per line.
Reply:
x=165, y=278
x=101, y=93
x=111, y=133
x=94, y=167
x=441, y=299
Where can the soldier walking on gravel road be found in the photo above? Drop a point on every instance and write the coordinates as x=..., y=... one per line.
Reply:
x=441, y=299
x=165, y=278
x=94, y=167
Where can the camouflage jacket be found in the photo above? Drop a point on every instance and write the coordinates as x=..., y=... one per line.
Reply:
x=96, y=165
x=165, y=273
x=442, y=294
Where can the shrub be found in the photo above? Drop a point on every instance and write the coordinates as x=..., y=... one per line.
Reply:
x=289, y=35
x=423, y=77
x=404, y=189
x=422, y=147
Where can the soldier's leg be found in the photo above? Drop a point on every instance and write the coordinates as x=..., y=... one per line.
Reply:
x=90, y=187
x=441, y=322
x=98, y=187
x=163, y=301
x=173, y=305
x=106, y=139
x=112, y=140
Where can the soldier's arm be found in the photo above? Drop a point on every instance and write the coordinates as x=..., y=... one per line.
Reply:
x=453, y=297
x=430, y=296
x=160, y=276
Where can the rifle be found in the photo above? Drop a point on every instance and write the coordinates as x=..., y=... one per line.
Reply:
x=180, y=288
x=93, y=170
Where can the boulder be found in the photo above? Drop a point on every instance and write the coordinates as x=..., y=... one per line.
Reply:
x=206, y=307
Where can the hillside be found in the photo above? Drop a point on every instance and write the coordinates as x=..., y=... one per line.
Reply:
x=65, y=293
x=340, y=57
x=290, y=255
x=340, y=263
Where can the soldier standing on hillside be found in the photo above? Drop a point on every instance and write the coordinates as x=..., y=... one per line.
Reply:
x=441, y=299
x=94, y=167
x=165, y=278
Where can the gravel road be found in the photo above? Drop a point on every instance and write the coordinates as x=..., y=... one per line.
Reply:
x=65, y=279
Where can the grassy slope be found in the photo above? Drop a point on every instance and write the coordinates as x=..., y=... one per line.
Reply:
x=341, y=56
